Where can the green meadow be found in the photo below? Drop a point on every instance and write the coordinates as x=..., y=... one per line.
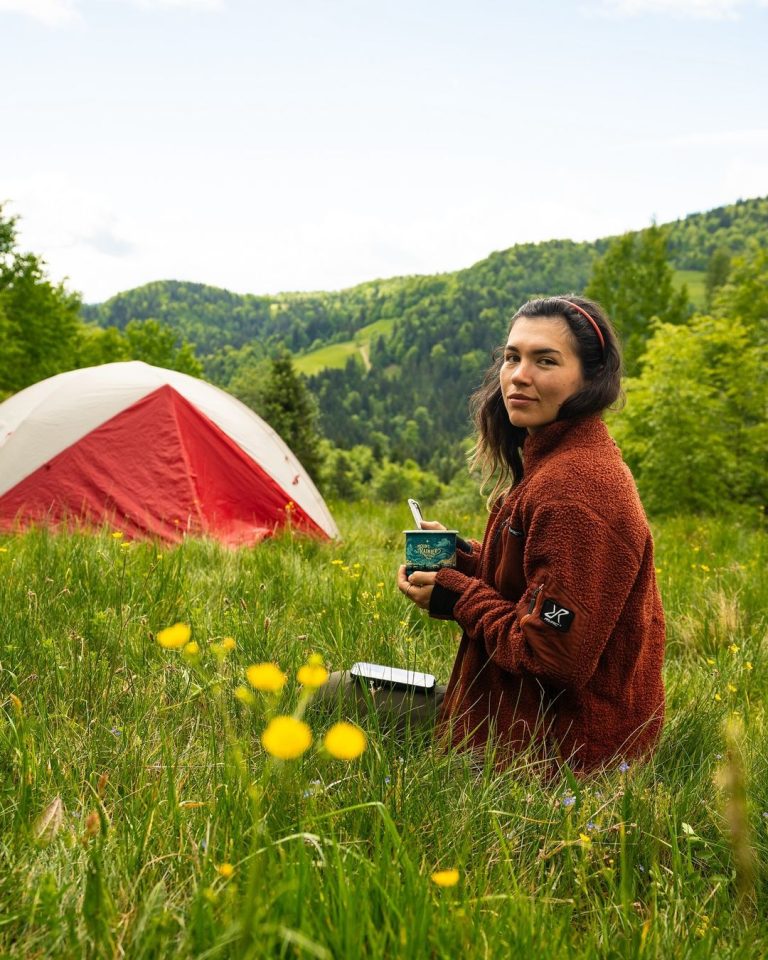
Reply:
x=142, y=817
x=336, y=354
x=696, y=282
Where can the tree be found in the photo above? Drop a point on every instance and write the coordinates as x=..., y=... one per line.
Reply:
x=39, y=320
x=634, y=282
x=280, y=396
x=159, y=345
x=745, y=294
x=694, y=429
x=395, y=482
x=718, y=268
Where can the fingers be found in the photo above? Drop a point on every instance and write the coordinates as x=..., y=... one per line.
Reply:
x=431, y=525
x=418, y=587
x=422, y=578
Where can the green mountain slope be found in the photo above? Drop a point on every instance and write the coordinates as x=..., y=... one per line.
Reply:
x=399, y=357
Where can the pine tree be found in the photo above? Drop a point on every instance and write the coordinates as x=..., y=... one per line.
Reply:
x=280, y=396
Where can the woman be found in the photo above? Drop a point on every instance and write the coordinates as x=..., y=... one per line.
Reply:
x=563, y=636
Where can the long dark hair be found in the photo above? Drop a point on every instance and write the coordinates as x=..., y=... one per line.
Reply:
x=498, y=449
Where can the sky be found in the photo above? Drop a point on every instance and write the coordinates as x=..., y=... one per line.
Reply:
x=315, y=144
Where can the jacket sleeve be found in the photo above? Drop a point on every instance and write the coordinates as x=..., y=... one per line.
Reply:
x=467, y=556
x=578, y=574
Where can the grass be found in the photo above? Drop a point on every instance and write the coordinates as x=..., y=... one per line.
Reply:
x=337, y=354
x=695, y=280
x=170, y=833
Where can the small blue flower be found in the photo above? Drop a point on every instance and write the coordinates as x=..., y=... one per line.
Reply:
x=718, y=756
x=641, y=868
x=623, y=766
x=569, y=800
x=116, y=732
x=203, y=844
x=386, y=780
x=591, y=826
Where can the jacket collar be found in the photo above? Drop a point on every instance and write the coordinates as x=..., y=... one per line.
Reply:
x=562, y=435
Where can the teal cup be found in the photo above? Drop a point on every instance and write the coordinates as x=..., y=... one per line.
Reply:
x=429, y=550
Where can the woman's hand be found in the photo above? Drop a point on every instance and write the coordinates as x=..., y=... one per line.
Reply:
x=432, y=525
x=418, y=587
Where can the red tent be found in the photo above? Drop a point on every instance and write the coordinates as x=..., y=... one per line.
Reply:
x=152, y=452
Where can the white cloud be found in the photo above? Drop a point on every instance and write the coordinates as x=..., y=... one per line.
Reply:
x=723, y=138
x=74, y=227
x=50, y=12
x=679, y=9
x=191, y=4
x=54, y=13
x=746, y=178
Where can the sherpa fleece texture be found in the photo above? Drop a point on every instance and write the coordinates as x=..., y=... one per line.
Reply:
x=563, y=638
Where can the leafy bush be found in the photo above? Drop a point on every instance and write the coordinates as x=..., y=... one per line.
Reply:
x=394, y=481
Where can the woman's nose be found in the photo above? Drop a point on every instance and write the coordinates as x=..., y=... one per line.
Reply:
x=521, y=373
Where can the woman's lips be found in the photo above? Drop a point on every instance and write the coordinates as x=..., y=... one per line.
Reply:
x=518, y=400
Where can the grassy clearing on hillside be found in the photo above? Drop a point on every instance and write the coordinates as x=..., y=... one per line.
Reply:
x=170, y=833
x=337, y=354
x=696, y=281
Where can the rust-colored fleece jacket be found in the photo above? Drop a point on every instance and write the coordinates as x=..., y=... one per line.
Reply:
x=563, y=638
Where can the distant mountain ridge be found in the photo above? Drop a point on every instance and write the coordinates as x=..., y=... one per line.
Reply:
x=214, y=318
x=391, y=363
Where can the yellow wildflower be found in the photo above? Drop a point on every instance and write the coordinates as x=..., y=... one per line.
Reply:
x=224, y=647
x=345, y=741
x=312, y=674
x=731, y=688
x=117, y=535
x=175, y=637
x=15, y=702
x=267, y=677
x=3, y=549
x=718, y=697
x=286, y=738
x=748, y=665
x=244, y=695
x=445, y=878
x=734, y=648
x=703, y=566
x=585, y=838
x=191, y=649
x=337, y=563
x=226, y=870
x=710, y=661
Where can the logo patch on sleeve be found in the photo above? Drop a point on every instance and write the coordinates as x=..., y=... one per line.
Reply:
x=556, y=615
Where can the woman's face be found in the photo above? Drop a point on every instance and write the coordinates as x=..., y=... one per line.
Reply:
x=541, y=370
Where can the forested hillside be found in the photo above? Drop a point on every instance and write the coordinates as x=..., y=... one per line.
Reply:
x=392, y=363
x=215, y=319
x=403, y=389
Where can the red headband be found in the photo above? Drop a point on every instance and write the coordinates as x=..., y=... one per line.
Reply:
x=592, y=320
